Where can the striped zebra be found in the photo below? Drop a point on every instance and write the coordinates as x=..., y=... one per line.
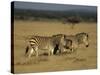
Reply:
x=36, y=43
x=75, y=41
x=78, y=39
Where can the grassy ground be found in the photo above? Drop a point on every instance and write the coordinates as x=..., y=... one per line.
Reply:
x=85, y=58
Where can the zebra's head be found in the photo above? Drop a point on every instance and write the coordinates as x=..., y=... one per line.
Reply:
x=82, y=38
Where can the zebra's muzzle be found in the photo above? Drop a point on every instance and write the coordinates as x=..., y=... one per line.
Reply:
x=87, y=45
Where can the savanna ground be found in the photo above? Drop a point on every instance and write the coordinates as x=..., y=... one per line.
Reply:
x=84, y=58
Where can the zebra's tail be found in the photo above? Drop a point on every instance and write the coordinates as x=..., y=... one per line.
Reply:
x=27, y=48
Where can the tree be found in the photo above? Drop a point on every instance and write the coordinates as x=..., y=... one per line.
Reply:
x=73, y=20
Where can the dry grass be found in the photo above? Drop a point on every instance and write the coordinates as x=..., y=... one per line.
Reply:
x=85, y=58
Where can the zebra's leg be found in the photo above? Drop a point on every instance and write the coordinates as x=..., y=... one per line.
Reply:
x=51, y=51
x=72, y=50
x=31, y=52
x=27, y=49
x=36, y=51
x=61, y=49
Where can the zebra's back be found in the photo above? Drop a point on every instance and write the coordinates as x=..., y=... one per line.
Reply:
x=41, y=41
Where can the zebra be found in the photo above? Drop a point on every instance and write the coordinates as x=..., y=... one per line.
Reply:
x=36, y=43
x=75, y=41
x=79, y=39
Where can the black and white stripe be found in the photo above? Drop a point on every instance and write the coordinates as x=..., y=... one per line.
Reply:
x=37, y=43
x=74, y=41
x=78, y=40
